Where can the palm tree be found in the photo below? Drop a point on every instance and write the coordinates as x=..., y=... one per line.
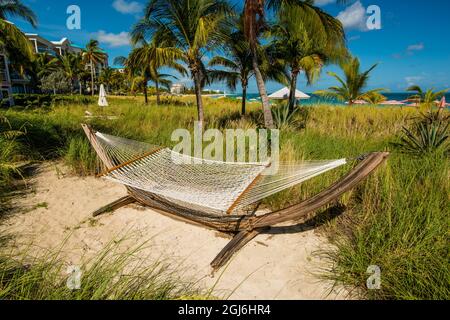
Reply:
x=150, y=57
x=119, y=82
x=352, y=87
x=428, y=97
x=106, y=77
x=191, y=26
x=11, y=38
x=238, y=63
x=92, y=55
x=145, y=61
x=255, y=12
x=15, y=8
x=72, y=66
x=307, y=38
x=41, y=66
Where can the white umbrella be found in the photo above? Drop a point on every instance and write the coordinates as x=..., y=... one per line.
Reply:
x=283, y=94
x=102, y=102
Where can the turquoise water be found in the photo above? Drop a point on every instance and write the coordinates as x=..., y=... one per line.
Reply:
x=399, y=96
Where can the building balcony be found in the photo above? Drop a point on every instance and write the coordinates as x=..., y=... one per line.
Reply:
x=47, y=50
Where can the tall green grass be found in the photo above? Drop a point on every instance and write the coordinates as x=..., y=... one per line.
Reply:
x=111, y=275
x=397, y=219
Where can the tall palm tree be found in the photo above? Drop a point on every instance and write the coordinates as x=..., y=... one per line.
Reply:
x=307, y=38
x=192, y=26
x=92, y=55
x=151, y=57
x=353, y=85
x=238, y=63
x=145, y=61
x=255, y=12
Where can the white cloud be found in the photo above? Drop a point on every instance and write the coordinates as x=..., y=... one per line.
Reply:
x=415, y=47
x=354, y=38
x=125, y=7
x=413, y=80
x=354, y=17
x=321, y=3
x=113, y=39
x=409, y=50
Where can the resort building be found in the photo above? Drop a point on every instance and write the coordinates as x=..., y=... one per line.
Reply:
x=5, y=79
x=120, y=69
x=177, y=88
x=14, y=82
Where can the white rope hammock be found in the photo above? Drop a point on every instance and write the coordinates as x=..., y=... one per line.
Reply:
x=213, y=187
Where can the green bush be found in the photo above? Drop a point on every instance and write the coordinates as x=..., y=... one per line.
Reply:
x=427, y=134
x=29, y=101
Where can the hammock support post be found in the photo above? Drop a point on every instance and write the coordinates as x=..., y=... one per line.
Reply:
x=244, y=227
x=122, y=202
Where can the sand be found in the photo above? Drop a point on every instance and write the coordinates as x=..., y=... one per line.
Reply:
x=57, y=213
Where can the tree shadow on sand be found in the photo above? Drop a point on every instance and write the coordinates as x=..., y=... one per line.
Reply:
x=21, y=187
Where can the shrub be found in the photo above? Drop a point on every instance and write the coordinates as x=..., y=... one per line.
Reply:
x=427, y=134
x=31, y=101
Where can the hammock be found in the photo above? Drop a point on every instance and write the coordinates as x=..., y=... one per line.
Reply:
x=216, y=188
x=215, y=194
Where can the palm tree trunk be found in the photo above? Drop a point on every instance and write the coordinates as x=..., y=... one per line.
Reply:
x=158, y=97
x=198, y=95
x=244, y=98
x=72, y=89
x=292, y=98
x=92, y=78
x=268, y=119
x=145, y=91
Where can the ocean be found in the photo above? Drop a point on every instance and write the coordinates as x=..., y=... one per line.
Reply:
x=399, y=96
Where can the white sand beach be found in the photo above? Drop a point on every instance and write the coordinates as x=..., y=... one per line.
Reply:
x=58, y=210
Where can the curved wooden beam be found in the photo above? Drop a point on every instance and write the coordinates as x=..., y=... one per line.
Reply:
x=347, y=183
x=257, y=224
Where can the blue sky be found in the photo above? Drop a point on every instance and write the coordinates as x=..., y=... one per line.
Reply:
x=412, y=46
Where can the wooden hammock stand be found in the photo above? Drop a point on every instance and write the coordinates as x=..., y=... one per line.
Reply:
x=243, y=228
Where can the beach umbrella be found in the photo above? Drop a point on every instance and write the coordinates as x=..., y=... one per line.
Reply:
x=358, y=102
x=393, y=103
x=102, y=102
x=283, y=94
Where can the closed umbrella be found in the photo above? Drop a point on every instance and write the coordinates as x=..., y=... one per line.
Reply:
x=102, y=102
x=443, y=103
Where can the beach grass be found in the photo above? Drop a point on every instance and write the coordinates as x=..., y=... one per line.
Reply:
x=110, y=275
x=397, y=219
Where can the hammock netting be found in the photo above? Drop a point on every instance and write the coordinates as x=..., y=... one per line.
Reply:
x=215, y=188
